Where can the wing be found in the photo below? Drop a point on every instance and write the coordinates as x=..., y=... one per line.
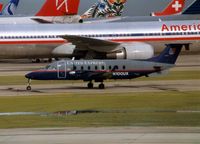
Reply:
x=42, y=21
x=90, y=75
x=86, y=43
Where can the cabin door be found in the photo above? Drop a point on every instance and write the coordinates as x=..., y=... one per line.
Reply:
x=61, y=67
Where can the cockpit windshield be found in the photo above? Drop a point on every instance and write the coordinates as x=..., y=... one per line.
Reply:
x=51, y=67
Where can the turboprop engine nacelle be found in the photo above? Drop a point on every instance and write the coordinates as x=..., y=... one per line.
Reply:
x=133, y=51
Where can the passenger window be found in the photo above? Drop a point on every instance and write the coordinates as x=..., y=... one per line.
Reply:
x=89, y=67
x=82, y=68
x=102, y=67
x=124, y=67
x=116, y=67
x=110, y=67
x=96, y=67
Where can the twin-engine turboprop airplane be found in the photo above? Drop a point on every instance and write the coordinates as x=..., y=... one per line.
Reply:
x=100, y=70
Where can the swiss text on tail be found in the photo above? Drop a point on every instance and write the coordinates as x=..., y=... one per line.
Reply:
x=169, y=55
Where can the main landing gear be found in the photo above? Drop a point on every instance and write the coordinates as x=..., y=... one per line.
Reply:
x=28, y=88
x=101, y=86
x=91, y=85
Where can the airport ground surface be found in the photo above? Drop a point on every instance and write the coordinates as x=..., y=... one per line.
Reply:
x=147, y=110
x=122, y=135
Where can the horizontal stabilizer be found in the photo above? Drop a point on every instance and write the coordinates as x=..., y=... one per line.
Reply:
x=160, y=73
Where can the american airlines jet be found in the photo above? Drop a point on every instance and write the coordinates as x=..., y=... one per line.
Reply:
x=53, y=11
x=120, y=40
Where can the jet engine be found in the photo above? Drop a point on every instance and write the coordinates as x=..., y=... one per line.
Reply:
x=132, y=51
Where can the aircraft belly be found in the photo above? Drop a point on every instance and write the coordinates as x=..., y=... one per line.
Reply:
x=26, y=51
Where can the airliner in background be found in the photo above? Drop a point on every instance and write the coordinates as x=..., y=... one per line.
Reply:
x=10, y=8
x=64, y=11
x=176, y=7
x=53, y=11
x=173, y=12
x=119, y=40
x=1, y=7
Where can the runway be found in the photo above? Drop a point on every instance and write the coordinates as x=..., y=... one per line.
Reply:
x=120, y=135
x=111, y=87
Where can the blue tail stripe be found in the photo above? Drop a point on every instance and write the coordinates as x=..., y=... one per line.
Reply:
x=169, y=55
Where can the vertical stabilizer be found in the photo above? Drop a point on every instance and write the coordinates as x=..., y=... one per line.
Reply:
x=1, y=7
x=175, y=7
x=169, y=55
x=11, y=7
x=59, y=8
x=105, y=8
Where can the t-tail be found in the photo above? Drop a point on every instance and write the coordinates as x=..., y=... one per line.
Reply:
x=169, y=55
x=10, y=8
x=59, y=8
x=175, y=7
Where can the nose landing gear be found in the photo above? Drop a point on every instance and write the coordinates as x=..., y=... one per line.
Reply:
x=28, y=88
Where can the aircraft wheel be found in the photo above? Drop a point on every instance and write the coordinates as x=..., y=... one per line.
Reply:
x=90, y=85
x=101, y=86
x=50, y=60
x=38, y=61
x=28, y=88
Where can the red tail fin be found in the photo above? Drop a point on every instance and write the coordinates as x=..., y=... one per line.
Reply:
x=59, y=8
x=1, y=7
x=175, y=7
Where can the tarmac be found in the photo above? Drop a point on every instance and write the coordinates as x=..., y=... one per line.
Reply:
x=112, y=135
x=111, y=87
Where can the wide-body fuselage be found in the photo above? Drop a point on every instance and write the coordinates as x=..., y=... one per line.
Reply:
x=32, y=41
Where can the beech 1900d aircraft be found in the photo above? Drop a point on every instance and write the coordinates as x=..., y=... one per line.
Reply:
x=100, y=70
x=53, y=11
x=122, y=40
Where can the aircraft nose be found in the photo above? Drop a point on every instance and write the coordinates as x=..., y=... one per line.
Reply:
x=28, y=76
